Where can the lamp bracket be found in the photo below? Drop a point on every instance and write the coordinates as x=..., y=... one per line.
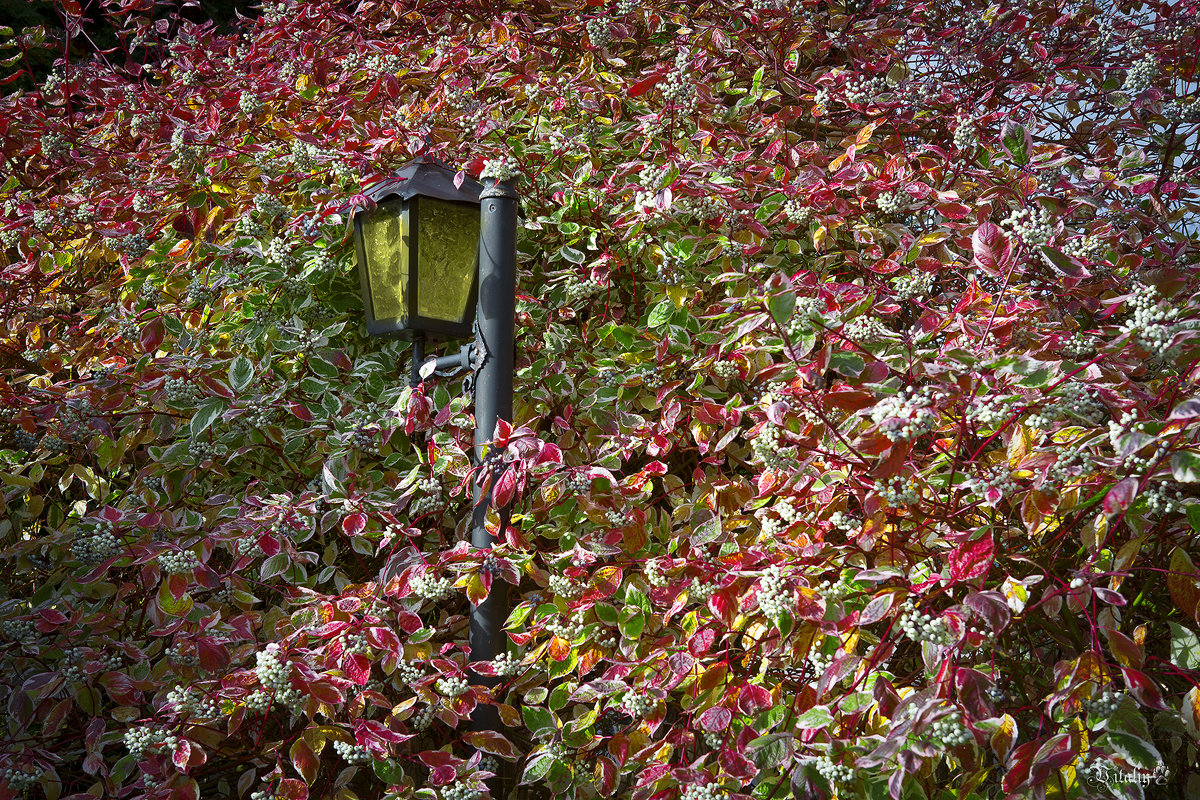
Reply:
x=475, y=355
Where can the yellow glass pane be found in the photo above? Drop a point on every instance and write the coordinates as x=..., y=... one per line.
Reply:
x=385, y=239
x=448, y=242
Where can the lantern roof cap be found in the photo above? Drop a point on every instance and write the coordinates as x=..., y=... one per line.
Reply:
x=426, y=177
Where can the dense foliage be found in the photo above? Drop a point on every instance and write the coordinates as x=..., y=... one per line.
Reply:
x=856, y=440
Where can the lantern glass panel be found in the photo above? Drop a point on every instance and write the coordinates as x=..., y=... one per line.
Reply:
x=447, y=254
x=386, y=242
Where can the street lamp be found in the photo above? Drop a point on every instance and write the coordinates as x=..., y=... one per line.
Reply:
x=432, y=258
x=417, y=253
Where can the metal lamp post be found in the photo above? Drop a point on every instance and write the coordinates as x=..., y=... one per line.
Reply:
x=432, y=259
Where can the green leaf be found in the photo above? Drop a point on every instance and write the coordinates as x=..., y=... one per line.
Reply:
x=815, y=718
x=1135, y=750
x=1185, y=647
x=849, y=364
x=323, y=368
x=571, y=254
x=1016, y=142
x=241, y=373
x=661, y=314
x=782, y=305
x=632, y=621
x=539, y=721
x=1185, y=466
x=205, y=415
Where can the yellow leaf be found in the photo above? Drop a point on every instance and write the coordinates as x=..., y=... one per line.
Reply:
x=222, y=188
x=819, y=236
x=303, y=82
x=864, y=135
x=1004, y=736
x=1020, y=444
x=677, y=294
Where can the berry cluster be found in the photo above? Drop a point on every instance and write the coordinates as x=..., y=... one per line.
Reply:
x=1162, y=499
x=638, y=704
x=922, y=627
x=913, y=285
x=677, y=89
x=700, y=590
x=1104, y=704
x=145, y=739
x=845, y=522
x=273, y=673
x=774, y=593
x=409, y=672
x=179, y=391
x=178, y=562
x=353, y=753
x=988, y=412
x=1032, y=226
x=768, y=447
x=1085, y=248
x=670, y=271
x=618, y=518
x=702, y=208
x=599, y=31
x=577, y=483
x=251, y=104
x=461, y=790
x=796, y=212
x=191, y=703
x=655, y=575
x=950, y=731
x=699, y=791
x=861, y=90
x=965, y=137
x=502, y=169
x=893, y=201
x=726, y=369
x=19, y=780
x=1141, y=75
x=506, y=664
x=566, y=587
x=909, y=414
x=269, y=208
x=578, y=288
x=993, y=485
x=431, y=588
x=355, y=643
x=1153, y=324
x=96, y=546
x=453, y=686
x=175, y=655
x=864, y=330
x=834, y=773
x=569, y=629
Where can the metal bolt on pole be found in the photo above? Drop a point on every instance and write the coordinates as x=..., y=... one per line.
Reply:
x=494, y=322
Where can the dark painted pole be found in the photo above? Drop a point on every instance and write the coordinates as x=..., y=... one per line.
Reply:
x=494, y=322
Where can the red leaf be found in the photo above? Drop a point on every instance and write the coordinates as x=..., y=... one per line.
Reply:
x=442, y=775
x=991, y=248
x=953, y=210
x=152, y=335
x=179, y=757
x=505, y=488
x=644, y=85
x=357, y=668
x=1121, y=495
x=754, y=699
x=716, y=719
x=354, y=524
x=971, y=559
x=326, y=693
x=1143, y=689
x=700, y=644
x=291, y=789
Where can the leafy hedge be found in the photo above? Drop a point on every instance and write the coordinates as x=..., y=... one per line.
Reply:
x=855, y=448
